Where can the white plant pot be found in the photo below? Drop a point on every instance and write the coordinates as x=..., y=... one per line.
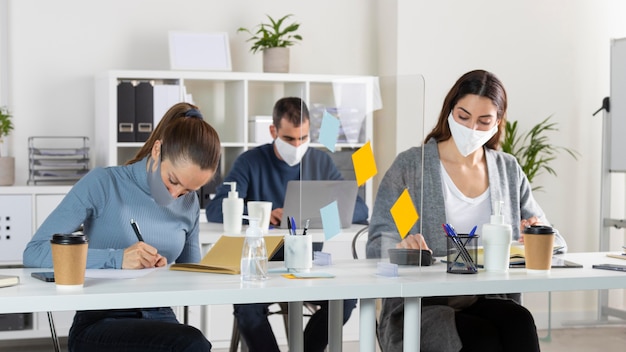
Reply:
x=7, y=171
x=276, y=60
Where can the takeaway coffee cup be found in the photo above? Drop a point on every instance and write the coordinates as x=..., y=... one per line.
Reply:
x=538, y=243
x=69, y=259
x=263, y=212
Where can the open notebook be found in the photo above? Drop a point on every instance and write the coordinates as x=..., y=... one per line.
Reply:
x=517, y=259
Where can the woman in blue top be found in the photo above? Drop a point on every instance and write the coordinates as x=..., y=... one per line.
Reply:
x=157, y=189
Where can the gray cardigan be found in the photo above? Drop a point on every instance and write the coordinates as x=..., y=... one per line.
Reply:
x=507, y=182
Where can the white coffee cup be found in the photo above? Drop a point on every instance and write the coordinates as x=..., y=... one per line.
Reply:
x=262, y=211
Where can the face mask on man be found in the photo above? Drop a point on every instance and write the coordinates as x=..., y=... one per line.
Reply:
x=290, y=154
x=159, y=192
x=468, y=140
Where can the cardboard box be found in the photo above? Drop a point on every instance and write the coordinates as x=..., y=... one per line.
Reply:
x=259, y=129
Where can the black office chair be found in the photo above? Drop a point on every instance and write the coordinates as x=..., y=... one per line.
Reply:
x=356, y=237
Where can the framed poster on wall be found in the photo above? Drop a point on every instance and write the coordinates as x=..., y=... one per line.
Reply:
x=199, y=51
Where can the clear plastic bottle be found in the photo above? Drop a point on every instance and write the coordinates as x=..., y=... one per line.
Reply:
x=254, y=254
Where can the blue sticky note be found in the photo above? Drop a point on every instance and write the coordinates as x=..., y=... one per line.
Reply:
x=330, y=220
x=329, y=130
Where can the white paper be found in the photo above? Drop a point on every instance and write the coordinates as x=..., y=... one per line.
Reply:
x=117, y=273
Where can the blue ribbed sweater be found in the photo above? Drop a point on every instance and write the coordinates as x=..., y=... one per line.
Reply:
x=104, y=201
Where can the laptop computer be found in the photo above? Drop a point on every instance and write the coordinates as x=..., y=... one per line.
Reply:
x=304, y=199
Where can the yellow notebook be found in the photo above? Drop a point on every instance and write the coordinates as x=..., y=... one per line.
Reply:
x=617, y=255
x=516, y=256
x=9, y=280
x=225, y=255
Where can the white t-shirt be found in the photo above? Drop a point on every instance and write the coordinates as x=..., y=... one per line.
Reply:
x=463, y=212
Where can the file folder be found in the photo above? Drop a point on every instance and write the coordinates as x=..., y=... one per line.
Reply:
x=144, y=111
x=125, y=112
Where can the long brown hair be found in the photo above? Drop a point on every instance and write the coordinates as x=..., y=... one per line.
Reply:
x=184, y=135
x=477, y=82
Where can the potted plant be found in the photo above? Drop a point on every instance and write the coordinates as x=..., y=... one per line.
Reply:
x=274, y=42
x=7, y=163
x=532, y=149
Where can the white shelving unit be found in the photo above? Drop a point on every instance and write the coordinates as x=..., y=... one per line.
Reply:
x=228, y=100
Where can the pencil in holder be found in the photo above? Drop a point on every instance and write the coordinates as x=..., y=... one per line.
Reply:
x=462, y=254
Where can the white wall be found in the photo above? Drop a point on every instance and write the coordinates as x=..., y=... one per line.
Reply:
x=56, y=48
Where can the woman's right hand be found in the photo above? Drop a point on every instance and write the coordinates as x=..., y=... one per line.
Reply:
x=142, y=255
x=416, y=241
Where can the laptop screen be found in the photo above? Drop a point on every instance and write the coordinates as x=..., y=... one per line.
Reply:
x=304, y=199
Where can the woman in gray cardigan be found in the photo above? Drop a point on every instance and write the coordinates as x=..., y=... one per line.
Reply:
x=462, y=174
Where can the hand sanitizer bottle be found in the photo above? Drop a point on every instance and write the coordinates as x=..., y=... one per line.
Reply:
x=253, y=253
x=497, y=238
x=232, y=210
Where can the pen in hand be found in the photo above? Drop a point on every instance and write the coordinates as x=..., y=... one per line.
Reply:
x=136, y=229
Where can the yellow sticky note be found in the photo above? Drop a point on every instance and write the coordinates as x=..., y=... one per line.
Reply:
x=364, y=164
x=404, y=213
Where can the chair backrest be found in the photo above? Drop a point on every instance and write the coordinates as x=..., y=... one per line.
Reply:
x=356, y=237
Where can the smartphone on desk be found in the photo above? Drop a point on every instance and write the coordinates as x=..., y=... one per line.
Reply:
x=47, y=276
x=616, y=267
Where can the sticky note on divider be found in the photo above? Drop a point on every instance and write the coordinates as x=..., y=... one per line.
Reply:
x=329, y=130
x=330, y=220
x=404, y=213
x=364, y=164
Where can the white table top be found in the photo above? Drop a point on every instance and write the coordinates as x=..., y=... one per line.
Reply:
x=354, y=279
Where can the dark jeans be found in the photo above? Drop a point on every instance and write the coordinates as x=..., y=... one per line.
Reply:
x=146, y=329
x=491, y=325
x=257, y=331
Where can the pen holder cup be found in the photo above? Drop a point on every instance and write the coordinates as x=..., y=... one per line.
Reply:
x=298, y=253
x=462, y=254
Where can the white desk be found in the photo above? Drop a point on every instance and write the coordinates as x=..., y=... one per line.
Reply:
x=429, y=281
x=354, y=279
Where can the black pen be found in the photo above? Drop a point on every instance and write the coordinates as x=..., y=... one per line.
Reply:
x=136, y=229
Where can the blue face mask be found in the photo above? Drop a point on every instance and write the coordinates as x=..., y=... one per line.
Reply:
x=159, y=192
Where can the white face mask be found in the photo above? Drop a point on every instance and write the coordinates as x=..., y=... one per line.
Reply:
x=468, y=140
x=290, y=154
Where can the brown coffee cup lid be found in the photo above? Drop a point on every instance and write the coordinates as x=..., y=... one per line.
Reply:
x=539, y=230
x=68, y=238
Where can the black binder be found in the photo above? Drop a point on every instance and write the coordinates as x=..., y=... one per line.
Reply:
x=144, y=111
x=125, y=112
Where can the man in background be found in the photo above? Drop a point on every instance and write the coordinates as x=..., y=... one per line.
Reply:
x=262, y=174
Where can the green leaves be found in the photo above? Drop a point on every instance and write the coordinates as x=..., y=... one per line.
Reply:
x=270, y=35
x=533, y=149
x=5, y=122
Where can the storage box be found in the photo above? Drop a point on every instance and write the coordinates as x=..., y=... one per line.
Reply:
x=259, y=129
x=15, y=321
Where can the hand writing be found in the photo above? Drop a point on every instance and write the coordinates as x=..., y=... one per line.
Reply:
x=142, y=255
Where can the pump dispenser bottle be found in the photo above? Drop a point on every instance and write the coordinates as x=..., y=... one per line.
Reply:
x=253, y=253
x=497, y=238
x=232, y=210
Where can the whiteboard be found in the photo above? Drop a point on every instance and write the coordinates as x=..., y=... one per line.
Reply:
x=617, y=121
